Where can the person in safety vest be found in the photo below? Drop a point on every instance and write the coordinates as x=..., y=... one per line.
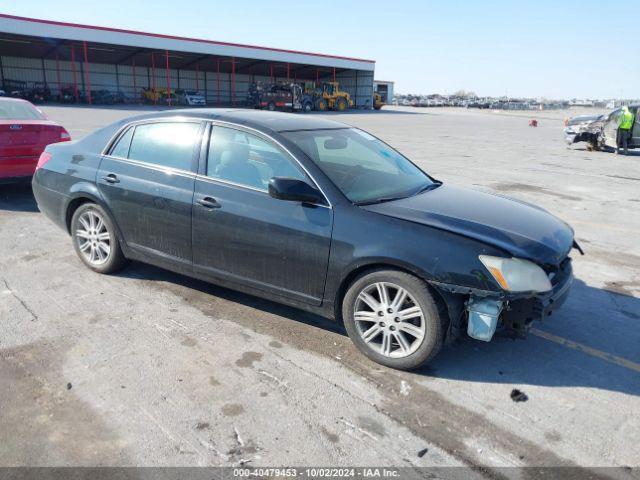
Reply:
x=625, y=124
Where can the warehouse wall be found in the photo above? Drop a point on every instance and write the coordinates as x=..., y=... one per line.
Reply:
x=359, y=84
x=216, y=87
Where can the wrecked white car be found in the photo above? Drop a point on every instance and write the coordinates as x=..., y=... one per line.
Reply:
x=585, y=128
x=600, y=131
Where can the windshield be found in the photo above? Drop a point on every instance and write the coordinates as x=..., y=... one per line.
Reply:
x=14, y=110
x=365, y=169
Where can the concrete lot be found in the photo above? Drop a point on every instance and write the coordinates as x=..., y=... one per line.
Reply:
x=151, y=368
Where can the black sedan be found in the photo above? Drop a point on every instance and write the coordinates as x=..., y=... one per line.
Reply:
x=311, y=213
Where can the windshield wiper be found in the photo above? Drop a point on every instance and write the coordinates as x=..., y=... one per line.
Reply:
x=431, y=186
x=378, y=200
x=426, y=188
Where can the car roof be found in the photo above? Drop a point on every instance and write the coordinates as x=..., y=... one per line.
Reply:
x=258, y=119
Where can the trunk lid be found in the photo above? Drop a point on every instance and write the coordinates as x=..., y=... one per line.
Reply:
x=27, y=138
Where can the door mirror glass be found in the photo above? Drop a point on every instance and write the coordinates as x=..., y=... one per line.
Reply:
x=294, y=190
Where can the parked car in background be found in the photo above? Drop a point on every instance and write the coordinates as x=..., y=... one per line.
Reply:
x=107, y=97
x=311, y=213
x=190, y=98
x=24, y=133
x=600, y=131
x=67, y=94
x=36, y=92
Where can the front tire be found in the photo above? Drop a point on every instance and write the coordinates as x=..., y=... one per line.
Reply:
x=393, y=319
x=321, y=105
x=95, y=239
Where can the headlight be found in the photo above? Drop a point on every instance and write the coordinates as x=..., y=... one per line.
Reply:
x=517, y=275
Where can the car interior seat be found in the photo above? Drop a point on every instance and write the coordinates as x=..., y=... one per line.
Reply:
x=234, y=166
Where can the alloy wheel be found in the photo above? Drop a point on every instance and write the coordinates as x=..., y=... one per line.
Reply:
x=93, y=238
x=389, y=319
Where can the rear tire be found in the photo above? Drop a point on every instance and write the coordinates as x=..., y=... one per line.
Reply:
x=95, y=239
x=402, y=328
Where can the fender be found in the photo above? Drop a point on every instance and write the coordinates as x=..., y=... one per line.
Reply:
x=372, y=261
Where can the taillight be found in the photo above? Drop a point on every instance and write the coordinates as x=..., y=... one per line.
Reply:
x=64, y=136
x=44, y=158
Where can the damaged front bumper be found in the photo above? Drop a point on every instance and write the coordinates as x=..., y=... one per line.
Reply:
x=591, y=133
x=483, y=313
x=576, y=137
x=521, y=312
x=570, y=136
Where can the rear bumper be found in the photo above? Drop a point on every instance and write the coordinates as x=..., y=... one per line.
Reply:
x=50, y=202
x=17, y=167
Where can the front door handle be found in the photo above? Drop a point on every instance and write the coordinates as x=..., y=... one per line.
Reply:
x=209, y=202
x=111, y=178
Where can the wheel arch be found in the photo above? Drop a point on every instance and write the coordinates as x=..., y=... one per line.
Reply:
x=80, y=193
x=386, y=264
x=87, y=194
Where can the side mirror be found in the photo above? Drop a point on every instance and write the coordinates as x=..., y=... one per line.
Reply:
x=294, y=190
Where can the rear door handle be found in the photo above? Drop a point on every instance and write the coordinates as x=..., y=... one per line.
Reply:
x=111, y=178
x=209, y=202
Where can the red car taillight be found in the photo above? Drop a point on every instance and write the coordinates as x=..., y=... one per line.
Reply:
x=44, y=158
x=64, y=136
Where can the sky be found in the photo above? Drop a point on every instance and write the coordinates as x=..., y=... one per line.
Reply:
x=543, y=48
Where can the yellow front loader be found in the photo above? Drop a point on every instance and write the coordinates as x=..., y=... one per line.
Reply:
x=328, y=96
x=377, y=101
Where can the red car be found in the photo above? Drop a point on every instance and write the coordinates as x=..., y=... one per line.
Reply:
x=24, y=133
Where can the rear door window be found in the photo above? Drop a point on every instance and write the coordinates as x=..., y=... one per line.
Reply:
x=168, y=144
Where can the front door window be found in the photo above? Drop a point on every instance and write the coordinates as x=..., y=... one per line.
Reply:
x=248, y=160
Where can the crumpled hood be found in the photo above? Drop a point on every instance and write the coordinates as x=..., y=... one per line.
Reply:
x=522, y=229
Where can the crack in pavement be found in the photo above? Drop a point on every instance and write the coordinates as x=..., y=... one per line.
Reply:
x=34, y=317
